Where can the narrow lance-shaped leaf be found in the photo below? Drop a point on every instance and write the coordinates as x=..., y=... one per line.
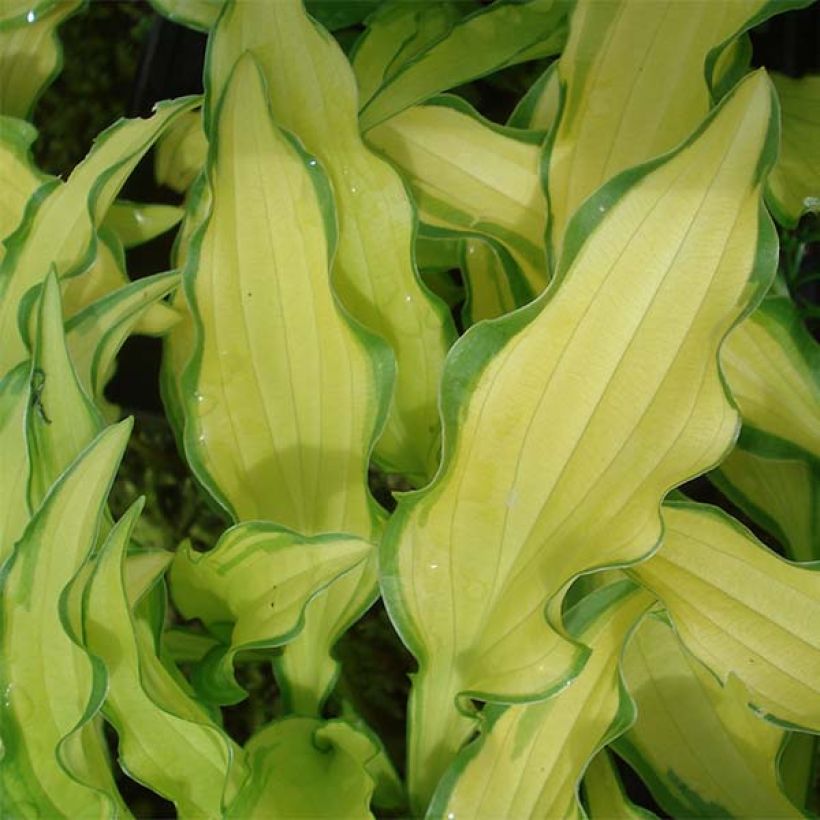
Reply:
x=167, y=741
x=699, y=748
x=60, y=227
x=782, y=495
x=55, y=762
x=530, y=759
x=286, y=439
x=741, y=610
x=772, y=365
x=395, y=33
x=30, y=56
x=312, y=93
x=633, y=78
x=500, y=35
x=617, y=399
x=470, y=176
x=61, y=420
x=794, y=184
x=284, y=394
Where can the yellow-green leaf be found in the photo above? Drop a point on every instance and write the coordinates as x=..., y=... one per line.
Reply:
x=538, y=108
x=96, y=334
x=284, y=394
x=529, y=759
x=288, y=438
x=61, y=419
x=299, y=770
x=501, y=35
x=741, y=610
x=617, y=398
x=695, y=743
x=55, y=761
x=634, y=84
x=492, y=280
x=167, y=741
x=18, y=176
x=395, y=33
x=14, y=509
x=179, y=344
x=60, y=227
x=258, y=581
x=794, y=184
x=30, y=55
x=312, y=92
x=772, y=365
x=181, y=152
x=604, y=793
x=470, y=176
x=780, y=494
x=136, y=222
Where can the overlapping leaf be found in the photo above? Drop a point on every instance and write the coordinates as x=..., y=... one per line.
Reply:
x=472, y=177
x=396, y=33
x=501, y=35
x=741, y=610
x=696, y=744
x=530, y=759
x=312, y=93
x=286, y=439
x=617, y=399
x=257, y=582
x=167, y=741
x=634, y=84
x=60, y=223
x=55, y=761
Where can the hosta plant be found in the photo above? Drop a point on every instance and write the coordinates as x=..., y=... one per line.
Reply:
x=539, y=329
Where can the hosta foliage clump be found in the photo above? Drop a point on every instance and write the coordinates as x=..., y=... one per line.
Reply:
x=539, y=329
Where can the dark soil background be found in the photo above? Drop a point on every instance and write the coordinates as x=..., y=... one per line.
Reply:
x=119, y=59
